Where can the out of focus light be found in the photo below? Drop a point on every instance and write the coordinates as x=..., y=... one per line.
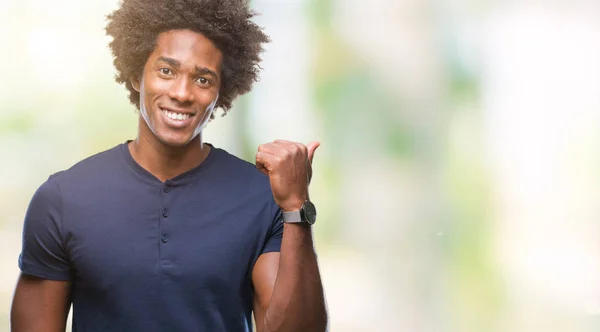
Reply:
x=540, y=91
x=57, y=60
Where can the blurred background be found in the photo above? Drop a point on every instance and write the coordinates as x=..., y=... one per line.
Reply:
x=457, y=182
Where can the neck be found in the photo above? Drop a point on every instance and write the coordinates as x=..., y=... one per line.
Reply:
x=164, y=161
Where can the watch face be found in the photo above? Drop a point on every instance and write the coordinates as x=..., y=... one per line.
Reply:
x=310, y=212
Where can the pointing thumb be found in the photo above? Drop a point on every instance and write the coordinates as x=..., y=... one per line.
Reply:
x=312, y=147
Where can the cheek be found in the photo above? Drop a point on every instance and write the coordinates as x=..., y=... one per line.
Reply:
x=155, y=87
x=206, y=97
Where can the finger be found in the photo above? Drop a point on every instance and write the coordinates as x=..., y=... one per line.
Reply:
x=283, y=146
x=284, y=141
x=292, y=148
x=271, y=148
x=265, y=161
x=312, y=147
x=261, y=167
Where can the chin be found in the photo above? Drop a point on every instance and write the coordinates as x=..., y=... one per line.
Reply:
x=167, y=135
x=175, y=140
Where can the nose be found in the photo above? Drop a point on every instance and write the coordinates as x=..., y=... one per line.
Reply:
x=181, y=90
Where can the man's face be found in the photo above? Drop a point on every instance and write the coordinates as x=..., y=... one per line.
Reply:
x=180, y=86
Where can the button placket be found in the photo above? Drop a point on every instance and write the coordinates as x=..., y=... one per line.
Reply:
x=165, y=213
x=166, y=196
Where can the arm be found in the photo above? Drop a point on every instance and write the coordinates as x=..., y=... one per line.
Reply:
x=288, y=289
x=264, y=275
x=42, y=298
x=39, y=305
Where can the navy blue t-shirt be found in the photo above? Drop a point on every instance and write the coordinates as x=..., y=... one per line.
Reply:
x=146, y=255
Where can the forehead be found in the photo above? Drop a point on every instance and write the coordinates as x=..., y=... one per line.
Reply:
x=189, y=48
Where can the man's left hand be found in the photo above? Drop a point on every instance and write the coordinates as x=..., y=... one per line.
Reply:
x=289, y=168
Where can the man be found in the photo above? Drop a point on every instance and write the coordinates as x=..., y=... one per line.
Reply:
x=166, y=232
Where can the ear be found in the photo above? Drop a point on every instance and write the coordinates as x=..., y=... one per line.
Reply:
x=135, y=82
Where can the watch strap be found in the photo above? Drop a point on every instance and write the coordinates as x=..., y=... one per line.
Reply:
x=292, y=217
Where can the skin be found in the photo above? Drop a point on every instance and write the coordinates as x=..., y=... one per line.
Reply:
x=177, y=76
x=295, y=295
x=39, y=305
x=183, y=74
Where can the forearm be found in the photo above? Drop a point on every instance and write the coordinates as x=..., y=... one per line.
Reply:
x=298, y=301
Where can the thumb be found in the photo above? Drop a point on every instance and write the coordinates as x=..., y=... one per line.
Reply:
x=312, y=147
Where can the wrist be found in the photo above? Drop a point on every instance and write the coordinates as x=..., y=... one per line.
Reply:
x=307, y=213
x=293, y=204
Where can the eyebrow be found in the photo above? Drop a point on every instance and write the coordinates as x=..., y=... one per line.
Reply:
x=199, y=70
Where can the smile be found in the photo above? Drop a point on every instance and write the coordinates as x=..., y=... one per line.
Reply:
x=176, y=116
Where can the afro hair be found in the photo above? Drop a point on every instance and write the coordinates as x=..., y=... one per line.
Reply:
x=136, y=24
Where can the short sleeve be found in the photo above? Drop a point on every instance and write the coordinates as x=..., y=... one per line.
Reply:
x=43, y=253
x=273, y=242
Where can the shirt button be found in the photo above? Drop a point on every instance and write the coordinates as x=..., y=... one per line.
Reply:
x=164, y=239
x=167, y=188
x=165, y=212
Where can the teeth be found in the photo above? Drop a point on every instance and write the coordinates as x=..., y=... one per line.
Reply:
x=176, y=116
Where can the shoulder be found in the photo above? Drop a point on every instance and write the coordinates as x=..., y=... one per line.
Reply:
x=93, y=167
x=235, y=170
x=47, y=193
x=234, y=165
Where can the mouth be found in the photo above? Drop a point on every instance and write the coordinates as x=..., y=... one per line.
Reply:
x=177, y=119
x=176, y=116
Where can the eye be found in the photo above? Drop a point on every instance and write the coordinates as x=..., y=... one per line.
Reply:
x=165, y=71
x=203, y=80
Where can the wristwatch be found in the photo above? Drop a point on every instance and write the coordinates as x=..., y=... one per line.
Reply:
x=306, y=215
